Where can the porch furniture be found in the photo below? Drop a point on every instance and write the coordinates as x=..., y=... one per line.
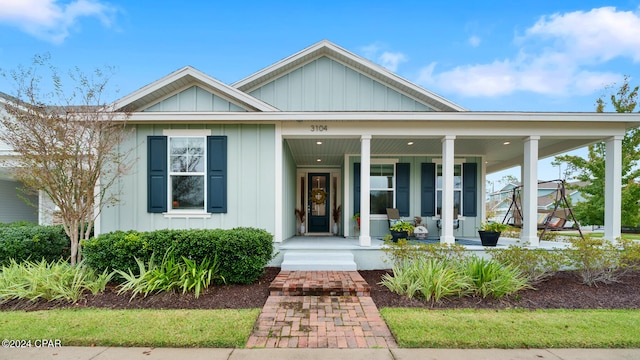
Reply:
x=393, y=215
x=456, y=221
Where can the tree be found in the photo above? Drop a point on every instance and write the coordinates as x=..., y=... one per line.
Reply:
x=592, y=169
x=67, y=142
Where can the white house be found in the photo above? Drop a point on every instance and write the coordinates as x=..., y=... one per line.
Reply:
x=324, y=128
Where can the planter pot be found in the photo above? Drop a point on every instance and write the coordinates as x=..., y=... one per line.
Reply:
x=302, y=229
x=335, y=228
x=395, y=235
x=489, y=238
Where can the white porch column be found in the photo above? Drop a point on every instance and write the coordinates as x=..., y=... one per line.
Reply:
x=446, y=216
x=530, y=192
x=278, y=230
x=612, y=188
x=365, y=187
x=46, y=210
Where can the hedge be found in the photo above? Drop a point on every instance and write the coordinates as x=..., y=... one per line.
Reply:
x=33, y=242
x=242, y=253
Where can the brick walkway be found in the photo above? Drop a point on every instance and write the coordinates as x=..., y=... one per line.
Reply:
x=303, y=313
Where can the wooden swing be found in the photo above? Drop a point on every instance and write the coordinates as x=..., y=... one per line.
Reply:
x=562, y=214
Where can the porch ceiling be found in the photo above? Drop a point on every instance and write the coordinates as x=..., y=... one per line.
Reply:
x=496, y=153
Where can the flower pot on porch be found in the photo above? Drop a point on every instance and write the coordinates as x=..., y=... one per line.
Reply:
x=489, y=238
x=396, y=235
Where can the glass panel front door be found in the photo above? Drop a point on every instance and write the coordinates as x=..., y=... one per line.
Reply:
x=318, y=203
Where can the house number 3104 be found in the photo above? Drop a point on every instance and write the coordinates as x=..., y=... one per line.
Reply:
x=320, y=128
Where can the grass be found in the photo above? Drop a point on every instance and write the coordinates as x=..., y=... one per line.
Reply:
x=153, y=328
x=598, y=234
x=513, y=329
x=412, y=328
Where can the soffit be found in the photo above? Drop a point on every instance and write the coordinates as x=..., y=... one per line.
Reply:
x=496, y=153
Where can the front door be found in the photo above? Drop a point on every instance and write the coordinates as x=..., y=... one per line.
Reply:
x=318, y=202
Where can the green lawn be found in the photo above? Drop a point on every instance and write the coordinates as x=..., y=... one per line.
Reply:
x=513, y=329
x=413, y=328
x=154, y=328
x=601, y=234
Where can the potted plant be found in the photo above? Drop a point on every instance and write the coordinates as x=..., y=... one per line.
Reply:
x=336, y=217
x=401, y=230
x=300, y=214
x=356, y=217
x=490, y=233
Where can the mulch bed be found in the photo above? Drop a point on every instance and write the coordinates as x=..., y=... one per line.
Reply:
x=563, y=291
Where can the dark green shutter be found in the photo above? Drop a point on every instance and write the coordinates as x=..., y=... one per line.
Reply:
x=403, y=173
x=356, y=188
x=428, y=189
x=470, y=189
x=156, y=174
x=217, y=174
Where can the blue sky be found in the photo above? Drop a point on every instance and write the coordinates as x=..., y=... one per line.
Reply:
x=487, y=55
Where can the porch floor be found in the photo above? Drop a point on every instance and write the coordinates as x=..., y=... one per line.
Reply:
x=352, y=243
x=374, y=257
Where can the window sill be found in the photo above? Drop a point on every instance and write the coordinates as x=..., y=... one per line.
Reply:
x=187, y=214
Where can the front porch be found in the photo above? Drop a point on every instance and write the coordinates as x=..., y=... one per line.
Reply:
x=319, y=248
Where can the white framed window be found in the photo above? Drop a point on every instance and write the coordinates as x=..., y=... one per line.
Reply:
x=187, y=166
x=457, y=188
x=382, y=185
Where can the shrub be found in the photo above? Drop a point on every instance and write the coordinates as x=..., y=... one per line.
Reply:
x=602, y=261
x=403, y=250
x=241, y=253
x=536, y=264
x=22, y=242
x=56, y=280
x=630, y=257
x=116, y=251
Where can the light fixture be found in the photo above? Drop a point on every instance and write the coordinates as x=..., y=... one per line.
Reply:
x=410, y=143
x=318, y=142
x=506, y=143
x=319, y=160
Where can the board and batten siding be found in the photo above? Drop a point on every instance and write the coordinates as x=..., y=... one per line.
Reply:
x=194, y=99
x=13, y=207
x=289, y=183
x=327, y=85
x=250, y=183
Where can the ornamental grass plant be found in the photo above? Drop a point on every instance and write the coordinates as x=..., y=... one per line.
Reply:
x=170, y=275
x=435, y=279
x=50, y=281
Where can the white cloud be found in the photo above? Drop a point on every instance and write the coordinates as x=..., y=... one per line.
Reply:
x=560, y=54
x=392, y=60
x=50, y=20
x=475, y=41
x=389, y=60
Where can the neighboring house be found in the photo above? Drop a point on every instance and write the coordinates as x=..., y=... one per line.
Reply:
x=324, y=128
x=16, y=204
x=500, y=203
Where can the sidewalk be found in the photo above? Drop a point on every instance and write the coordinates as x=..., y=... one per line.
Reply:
x=115, y=353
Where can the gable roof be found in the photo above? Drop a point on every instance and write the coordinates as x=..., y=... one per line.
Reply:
x=329, y=49
x=182, y=79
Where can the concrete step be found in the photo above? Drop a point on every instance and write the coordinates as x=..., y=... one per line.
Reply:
x=318, y=261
